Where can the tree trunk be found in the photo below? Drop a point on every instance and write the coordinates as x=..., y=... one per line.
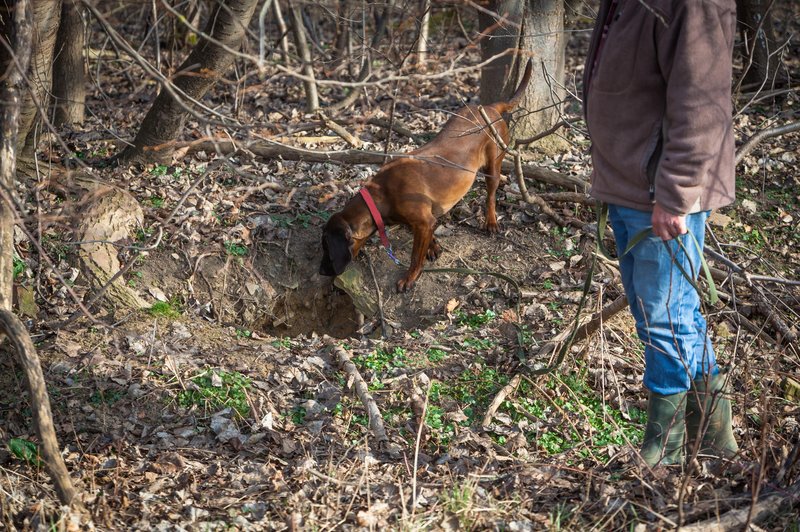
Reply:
x=46, y=15
x=207, y=62
x=761, y=61
x=424, y=34
x=537, y=28
x=69, y=70
x=17, y=31
x=19, y=35
x=300, y=42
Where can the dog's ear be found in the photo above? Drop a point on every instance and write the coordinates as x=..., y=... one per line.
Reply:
x=337, y=254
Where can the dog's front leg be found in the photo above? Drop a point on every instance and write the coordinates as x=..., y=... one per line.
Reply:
x=423, y=235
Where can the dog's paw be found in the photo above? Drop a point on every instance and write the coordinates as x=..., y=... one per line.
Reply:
x=405, y=284
x=434, y=251
x=492, y=227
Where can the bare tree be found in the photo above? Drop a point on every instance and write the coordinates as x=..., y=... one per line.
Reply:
x=207, y=62
x=46, y=16
x=69, y=69
x=535, y=27
x=762, y=58
x=14, y=59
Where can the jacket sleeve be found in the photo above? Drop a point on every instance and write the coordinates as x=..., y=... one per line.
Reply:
x=695, y=51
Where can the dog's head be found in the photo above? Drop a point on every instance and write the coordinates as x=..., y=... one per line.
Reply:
x=337, y=246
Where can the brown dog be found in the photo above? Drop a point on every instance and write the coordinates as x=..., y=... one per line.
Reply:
x=417, y=189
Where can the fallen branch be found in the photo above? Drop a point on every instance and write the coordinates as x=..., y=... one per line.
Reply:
x=353, y=141
x=758, y=512
x=355, y=379
x=40, y=405
x=588, y=327
x=762, y=135
x=274, y=150
x=499, y=398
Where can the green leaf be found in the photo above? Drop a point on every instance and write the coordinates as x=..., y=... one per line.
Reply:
x=25, y=450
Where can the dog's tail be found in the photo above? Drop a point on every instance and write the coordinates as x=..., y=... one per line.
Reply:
x=520, y=92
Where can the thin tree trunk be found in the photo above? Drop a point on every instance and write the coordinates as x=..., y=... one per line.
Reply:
x=312, y=98
x=424, y=32
x=46, y=16
x=206, y=63
x=284, y=31
x=19, y=34
x=342, y=32
x=69, y=69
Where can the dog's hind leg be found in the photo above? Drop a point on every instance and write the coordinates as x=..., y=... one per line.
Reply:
x=492, y=176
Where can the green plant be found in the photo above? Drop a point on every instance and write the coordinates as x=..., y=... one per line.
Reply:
x=159, y=170
x=143, y=234
x=559, y=517
x=298, y=415
x=285, y=222
x=283, y=343
x=475, y=321
x=244, y=333
x=458, y=501
x=25, y=450
x=214, y=390
x=19, y=266
x=156, y=201
x=107, y=397
x=477, y=344
x=235, y=249
x=435, y=355
x=165, y=309
x=382, y=359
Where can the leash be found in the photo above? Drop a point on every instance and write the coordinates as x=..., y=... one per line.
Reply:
x=376, y=217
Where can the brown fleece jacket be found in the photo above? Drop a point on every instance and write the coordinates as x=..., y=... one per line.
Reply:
x=657, y=100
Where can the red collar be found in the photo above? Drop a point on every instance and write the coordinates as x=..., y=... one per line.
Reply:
x=376, y=217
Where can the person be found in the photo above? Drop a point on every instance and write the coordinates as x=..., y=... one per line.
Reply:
x=657, y=102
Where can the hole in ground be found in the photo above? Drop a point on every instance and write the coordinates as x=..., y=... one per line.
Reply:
x=316, y=309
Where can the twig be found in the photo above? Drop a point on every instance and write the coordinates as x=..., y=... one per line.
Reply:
x=359, y=384
x=416, y=450
x=499, y=398
x=558, y=125
x=352, y=140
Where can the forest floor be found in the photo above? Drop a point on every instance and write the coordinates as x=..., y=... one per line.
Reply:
x=223, y=404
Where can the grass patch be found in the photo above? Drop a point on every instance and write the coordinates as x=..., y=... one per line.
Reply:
x=382, y=359
x=165, y=309
x=218, y=389
x=475, y=321
x=236, y=250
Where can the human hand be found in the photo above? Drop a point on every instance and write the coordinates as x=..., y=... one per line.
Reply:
x=667, y=225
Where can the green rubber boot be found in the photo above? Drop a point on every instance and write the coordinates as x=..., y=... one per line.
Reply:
x=708, y=415
x=665, y=429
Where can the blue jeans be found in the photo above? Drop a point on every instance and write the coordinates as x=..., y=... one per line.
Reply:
x=664, y=304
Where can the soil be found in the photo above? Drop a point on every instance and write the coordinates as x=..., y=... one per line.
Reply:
x=290, y=447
